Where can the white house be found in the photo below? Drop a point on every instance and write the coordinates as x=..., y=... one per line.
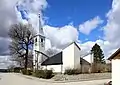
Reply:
x=115, y=58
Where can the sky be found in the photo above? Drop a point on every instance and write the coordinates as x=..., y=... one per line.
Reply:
x=64, y=21
x=62, y=12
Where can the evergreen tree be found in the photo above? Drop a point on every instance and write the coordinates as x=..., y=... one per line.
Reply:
x=97, y=54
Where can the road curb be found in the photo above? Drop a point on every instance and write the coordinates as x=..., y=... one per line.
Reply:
x=53, y=81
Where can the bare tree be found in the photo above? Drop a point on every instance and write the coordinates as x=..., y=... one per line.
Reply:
x=51, y=51
x=21, y=36
x=30, y=60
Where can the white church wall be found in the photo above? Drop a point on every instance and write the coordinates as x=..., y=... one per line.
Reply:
x=40, y=47
x=37, y=44
x=115, y=72
x=33, y=58
x=47, y=44
x=68, y=57
x=55, y=68
x=76, y=57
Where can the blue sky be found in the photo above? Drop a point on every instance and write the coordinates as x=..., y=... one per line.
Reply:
x=62, y=12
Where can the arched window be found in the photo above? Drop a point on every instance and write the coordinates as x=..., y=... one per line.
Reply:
x=35, y=39
x=42, y=42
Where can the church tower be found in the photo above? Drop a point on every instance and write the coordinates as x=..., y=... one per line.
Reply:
x=38, y=47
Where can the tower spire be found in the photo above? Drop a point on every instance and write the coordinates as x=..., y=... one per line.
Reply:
x=40, y=26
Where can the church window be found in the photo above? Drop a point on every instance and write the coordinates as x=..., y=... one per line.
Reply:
x=41, y=40
x=42, y=44
x=35, y=39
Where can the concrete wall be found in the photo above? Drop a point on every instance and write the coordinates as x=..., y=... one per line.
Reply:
x=85, y=68
x=68, y=57
x=71, y=57
x=38, y=47
x=76, y=57
x=55, y=68
x=115, y=72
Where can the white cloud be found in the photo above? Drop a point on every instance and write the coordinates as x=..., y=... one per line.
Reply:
x=90, y=25
x=5, y=62
x=112, y=28
x=106, y=46
x=33, y=7
x=61, y=37
x=8, y=16
x=4, y=43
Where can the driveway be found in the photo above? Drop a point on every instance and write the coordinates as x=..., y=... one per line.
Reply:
x=18, y=79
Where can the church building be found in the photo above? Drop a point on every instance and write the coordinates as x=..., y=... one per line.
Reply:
x=69, y=57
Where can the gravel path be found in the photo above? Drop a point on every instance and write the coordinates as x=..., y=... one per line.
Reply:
x=82, y=77
x=17, y=79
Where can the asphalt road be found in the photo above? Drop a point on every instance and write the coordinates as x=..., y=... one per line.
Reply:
x=17, y=79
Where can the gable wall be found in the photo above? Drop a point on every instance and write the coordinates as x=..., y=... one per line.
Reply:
x=55, y=68
x=68, y=57
x=76, y=57
x=115, y=72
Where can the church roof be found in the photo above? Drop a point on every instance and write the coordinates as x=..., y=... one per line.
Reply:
x=57, y=59
x=114, y=55
x=41, y=35
x=83, y=61
x=54, y=60
x=75, y=45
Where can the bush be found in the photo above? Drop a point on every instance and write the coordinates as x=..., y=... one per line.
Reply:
x=39, y=73
x=29, y=72
x=26, y=72
x=72, y=71
x=46, y=74
x=17, y=70
x=23, y=71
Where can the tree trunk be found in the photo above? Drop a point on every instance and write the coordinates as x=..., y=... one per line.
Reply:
x=26, y=58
